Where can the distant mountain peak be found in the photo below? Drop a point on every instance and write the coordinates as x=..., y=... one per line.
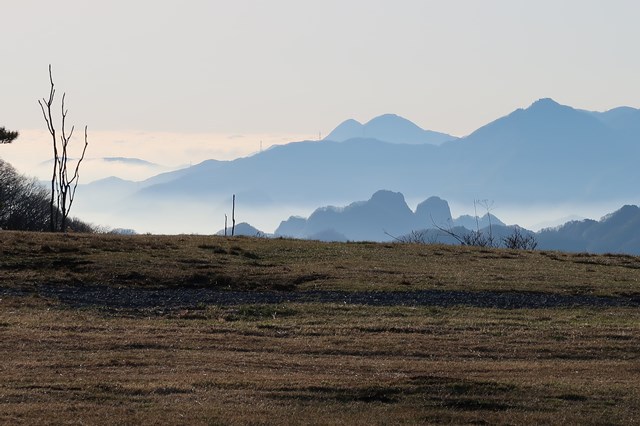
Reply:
x=544, y=102
x=350, y=124
x=623, y=213
x=384, y=196
x=547, y=106
x=387, y=116
x=545, y=123
x=390, y=118
x=390, y=128
x=623, y=109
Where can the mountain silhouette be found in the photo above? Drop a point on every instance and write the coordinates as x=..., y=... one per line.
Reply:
x=312, y=172
x=625, y=120
x=475, y=223
x=388, y=128
x=618, y=232
x=384, y=215
x=434, y=211
x=547, y=153
x=243, y=229
x=544, y=126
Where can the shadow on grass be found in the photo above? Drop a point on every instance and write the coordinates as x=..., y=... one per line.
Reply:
x=460, y=394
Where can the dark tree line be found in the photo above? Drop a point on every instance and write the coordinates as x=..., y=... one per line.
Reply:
x=25, y=203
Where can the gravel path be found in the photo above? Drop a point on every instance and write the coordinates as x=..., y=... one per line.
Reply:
x=136, y=298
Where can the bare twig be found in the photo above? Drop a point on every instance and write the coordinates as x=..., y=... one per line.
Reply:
x=395, y=238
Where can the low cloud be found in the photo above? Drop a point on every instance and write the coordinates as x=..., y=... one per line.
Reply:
x=31, y=153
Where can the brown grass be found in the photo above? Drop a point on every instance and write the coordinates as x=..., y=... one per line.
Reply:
x=248, y=263
x=313, y=363
x=318, y=364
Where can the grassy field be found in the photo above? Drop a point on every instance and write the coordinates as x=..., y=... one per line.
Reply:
x=261, y=264
x=312, y=363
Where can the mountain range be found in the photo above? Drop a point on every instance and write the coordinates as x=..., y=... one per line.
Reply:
x=381, y=218
x=385, y=213
x=387, y=217
x=544, y=154
x=617, y=232
x=547, y=152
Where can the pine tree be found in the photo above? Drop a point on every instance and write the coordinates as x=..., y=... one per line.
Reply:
x=7, y=136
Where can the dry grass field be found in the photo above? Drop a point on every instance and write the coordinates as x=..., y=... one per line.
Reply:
x=312, y=363
x=257, y=264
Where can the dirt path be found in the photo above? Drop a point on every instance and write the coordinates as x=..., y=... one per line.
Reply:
x=173, y=298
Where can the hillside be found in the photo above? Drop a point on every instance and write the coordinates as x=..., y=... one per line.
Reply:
x=617, y=232
x=30, y=260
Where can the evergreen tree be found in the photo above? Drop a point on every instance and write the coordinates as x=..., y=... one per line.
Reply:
x=7, y=136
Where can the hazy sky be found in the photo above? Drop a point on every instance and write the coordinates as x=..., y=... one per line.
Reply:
x=176, y=82
x=295, y=66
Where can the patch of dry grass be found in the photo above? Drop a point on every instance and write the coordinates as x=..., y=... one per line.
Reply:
x=247, y=263
x=318, y=364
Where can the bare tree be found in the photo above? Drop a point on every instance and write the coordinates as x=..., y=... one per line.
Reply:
x=63, y=185
x=7, y=136
x=478, y=238
x=415, y=237
x=519, y=240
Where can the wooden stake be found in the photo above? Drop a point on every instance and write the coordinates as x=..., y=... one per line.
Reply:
x=233, y=216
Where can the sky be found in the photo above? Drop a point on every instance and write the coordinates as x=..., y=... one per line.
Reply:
x=177, y=82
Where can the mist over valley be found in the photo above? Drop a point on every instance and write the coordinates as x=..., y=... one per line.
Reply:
x=536, y=166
